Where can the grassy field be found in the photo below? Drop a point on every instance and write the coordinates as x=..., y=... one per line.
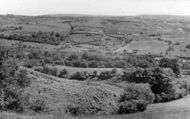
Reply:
x=146, y=46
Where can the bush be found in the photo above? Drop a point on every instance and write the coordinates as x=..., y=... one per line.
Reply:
x=94, y=64
x=120, y=64
x=81, y=76
x=37, y=105
x=170, y=63
x=188, y=46
x=128, y=107
x=12, y=85
x=78, y=63
x=163, y=82
x=49, y=71
x=33, y=63
x=73, y=57
x=74, y=110
x=32, y=104
x=135, y=99
x=63, y=74
x=105, y=75
x=136, y=92
x=35, y=55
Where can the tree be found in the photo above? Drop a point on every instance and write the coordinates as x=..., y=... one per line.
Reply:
x=12, y=84
x=170, y=63
x=162, y=81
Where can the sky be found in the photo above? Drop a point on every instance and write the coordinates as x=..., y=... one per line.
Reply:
x=95, y=7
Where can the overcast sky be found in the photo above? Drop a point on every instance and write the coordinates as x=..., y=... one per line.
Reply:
x=95, y=7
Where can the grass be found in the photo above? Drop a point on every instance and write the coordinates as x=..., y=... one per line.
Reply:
x=59, y=93
x=146, y=46
x=7, y=115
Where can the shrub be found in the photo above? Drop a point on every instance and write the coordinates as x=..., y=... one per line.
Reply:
x=49, y=71
x=78, y=63
x=145, y=61
x=33, y=104
x=136, y=98
x=162, y=81
x=37, y=105
x=81, y=76
x=22, y=79
x=12, y=85
x=74, y=110
x=105, y=75
x=136, y=92
x=63, y=74
x=35, y=55
x=188, y=46
x=128, y=107
x=33, y=63
x=170, y=63
x=73, y=57
x=94, y=64
x=120, y=64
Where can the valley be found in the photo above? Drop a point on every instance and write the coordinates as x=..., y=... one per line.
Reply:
x=85, y=66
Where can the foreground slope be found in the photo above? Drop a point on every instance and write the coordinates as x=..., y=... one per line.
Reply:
x=60, y=93
x=178, y=109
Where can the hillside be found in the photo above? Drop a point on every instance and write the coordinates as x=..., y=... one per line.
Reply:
x=160, y=35
x=56, y=66
x=59, y=93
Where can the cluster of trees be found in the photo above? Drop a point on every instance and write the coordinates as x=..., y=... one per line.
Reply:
x=39, y=37
x=104, y=75
x=90, y=61
x=12, y=85
x=9, y=28
x=163, y=82
x=97, y=61
x=135, y=99
x=81, y=76
x=170, y=63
